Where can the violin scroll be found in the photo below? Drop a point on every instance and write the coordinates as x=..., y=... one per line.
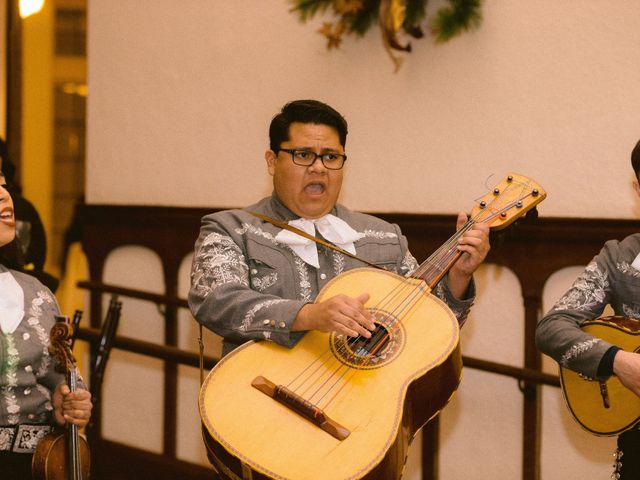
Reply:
x=60, y=339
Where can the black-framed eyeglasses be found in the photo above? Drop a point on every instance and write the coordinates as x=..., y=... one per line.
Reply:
x=306, y=158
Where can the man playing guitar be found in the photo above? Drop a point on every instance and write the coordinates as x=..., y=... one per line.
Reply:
x=611, y=278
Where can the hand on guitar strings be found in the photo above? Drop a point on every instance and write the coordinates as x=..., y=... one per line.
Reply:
x=341, y=314
x=73, y=407
x=626, y=366
x=474, y=244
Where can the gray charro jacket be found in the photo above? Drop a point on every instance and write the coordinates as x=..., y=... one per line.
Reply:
x=609, y=279
x=27, y=376
x=245, y=285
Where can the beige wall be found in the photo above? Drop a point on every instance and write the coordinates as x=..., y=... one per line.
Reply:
x=181, y=94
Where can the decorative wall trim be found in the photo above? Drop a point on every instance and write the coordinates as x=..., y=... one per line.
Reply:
x=533, y=249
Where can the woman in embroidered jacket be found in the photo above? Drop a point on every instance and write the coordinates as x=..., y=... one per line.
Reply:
x=612, y=278
x=33, y=396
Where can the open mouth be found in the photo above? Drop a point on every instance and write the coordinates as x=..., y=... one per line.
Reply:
x=6, y=216
x=315, y=188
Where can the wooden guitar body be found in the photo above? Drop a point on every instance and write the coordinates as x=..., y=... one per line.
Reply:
x=609, y=408
x=340, y=408
x=380, y=404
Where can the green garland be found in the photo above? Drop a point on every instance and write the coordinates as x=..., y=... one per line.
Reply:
x=355, y=17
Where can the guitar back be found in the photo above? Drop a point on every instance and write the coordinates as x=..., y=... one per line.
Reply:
x=620, y=410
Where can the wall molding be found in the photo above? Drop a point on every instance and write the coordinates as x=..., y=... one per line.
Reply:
x=534, y=248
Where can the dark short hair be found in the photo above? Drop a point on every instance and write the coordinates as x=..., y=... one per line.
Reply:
x=305, y=111
x=635, y=160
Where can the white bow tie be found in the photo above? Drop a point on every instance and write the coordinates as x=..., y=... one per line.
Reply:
x=332, y=228
x=11, y=303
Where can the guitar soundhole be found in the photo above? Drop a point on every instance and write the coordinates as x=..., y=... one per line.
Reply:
x=385, y=344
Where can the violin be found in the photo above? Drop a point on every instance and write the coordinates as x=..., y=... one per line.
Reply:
x=62, y=454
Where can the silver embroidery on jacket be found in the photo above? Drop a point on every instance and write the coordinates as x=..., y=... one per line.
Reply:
x=578, y=349
x=627, y=269
x=379, y=234
x=251, y=314
x=11, y=370
x=588, y=291
x=305, y=283
x=301, y=266
x=35, y=312
x=631, y=311
x=247, y=227
x=262, y=283
x=218, y=261
x=6, y=438
x=409, y=264
x=338, y=263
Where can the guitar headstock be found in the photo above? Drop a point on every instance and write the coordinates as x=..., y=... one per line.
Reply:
x=509, y=200
x=60, y=344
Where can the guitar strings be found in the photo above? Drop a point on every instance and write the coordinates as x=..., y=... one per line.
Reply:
x=410, y=301
x=318, y=379
x=381, y=333
x=342, y=349
x=450, y=253
x=437, y=263
x=447, y=259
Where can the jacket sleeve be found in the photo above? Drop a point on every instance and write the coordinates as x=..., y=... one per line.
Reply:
x=221, y=297
x=559, y=335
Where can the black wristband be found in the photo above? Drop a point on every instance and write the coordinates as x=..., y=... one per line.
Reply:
x=605, y=368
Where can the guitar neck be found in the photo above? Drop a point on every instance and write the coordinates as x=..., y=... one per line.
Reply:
x=509, y=200
x=434, y=268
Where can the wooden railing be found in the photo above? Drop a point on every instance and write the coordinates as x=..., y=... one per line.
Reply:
x=171, y=232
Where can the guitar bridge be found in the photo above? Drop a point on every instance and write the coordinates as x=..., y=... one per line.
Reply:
x=302, y=407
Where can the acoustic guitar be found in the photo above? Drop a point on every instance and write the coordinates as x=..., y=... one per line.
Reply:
x=337, y=407
x=604, y=408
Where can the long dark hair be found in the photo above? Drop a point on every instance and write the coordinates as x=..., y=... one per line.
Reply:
x=10, y=256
